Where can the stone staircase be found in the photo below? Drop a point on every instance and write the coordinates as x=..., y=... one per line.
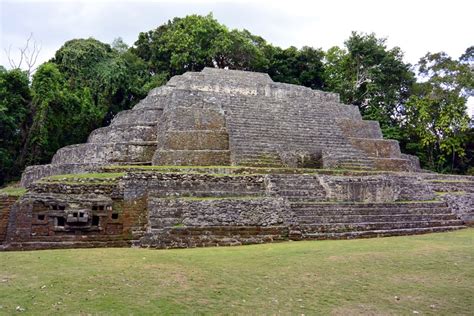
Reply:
x=315, y=218
x=261, y=128
x=330, y=220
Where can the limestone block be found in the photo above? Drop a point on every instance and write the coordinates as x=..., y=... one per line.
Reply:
x=381, y=188
x=393, y=164
x=345, y=111
x=414, y=162
x=360, y=128
x=220, y=212
x=381, y=148
x=196, y=140
x=123, y=133
x=302, y=158
x=33, y=173
x=462, y=205
x=105, y=153
x=137, y=117
x=192, y=157
x=196, y=117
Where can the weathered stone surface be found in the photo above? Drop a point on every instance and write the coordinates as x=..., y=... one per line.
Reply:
x=326, y=184
x=33, y=173
x=377, y=148
x=192, y=157
x=108, y=153
x=462, y=205
x=167, y=212
x=6, y=203
x=358, y=128
x=163, y=210
x=259, y=121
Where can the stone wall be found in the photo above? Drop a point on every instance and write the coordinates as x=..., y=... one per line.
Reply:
x=166, y=212
x=41, y=221
x=186, y=237
x=462, y=205
x=6, y=203
x=219, y=207
x=33, y=173
x=136, y=185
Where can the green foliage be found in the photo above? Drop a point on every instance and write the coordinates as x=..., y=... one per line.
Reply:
x=15, y=100
x=57, y=114
x=114, y=77
x=180, y=45
x=81, y=89
x=436, y=114
x=374, y=78
x=195, y=42
x=301, y=67
x=13, y=191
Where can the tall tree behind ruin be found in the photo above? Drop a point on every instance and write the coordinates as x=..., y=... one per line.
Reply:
x=436, y=113
x=15, y=99
x=367, y=74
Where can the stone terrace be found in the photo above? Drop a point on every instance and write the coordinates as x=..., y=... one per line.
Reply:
x=224, y=157
x=227, y=117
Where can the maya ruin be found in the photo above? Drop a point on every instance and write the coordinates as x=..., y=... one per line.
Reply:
x=224, y=157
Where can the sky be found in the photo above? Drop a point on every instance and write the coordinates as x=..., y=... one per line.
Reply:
x=416, y=26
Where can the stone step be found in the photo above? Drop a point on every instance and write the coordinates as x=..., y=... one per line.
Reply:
x=303, y=192
x=123, y=134
x=207, y=194
x=258, y=133
x=346, y=227
x=310, y=199
x=371, y=211
x=259, y=164
x=358, y=218
x=377, y=233
x=379, y=205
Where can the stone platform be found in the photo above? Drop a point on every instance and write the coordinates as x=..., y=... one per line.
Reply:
x=227, y=117
x=225, y=157
x=170, y=207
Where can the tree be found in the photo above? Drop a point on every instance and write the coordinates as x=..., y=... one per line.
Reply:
x=374, y=78
x=436, y=114
x=194, y=42
x=15, y=101
x=28, y=56
x=114, y=77
x=301, y=67
x=238, y=50
x=80, y=90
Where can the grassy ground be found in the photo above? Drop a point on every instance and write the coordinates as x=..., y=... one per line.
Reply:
x=428, y=274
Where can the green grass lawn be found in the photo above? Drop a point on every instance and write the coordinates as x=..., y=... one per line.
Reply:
x=429, y=274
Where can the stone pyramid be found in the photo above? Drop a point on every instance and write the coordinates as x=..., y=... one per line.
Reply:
x=223, y=157
x=228, y=117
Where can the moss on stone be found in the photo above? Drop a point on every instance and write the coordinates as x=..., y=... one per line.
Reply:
x=13, y=191
x=450, y=193
x=102, y=175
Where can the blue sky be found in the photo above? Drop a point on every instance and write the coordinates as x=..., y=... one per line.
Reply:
x=417, y=26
